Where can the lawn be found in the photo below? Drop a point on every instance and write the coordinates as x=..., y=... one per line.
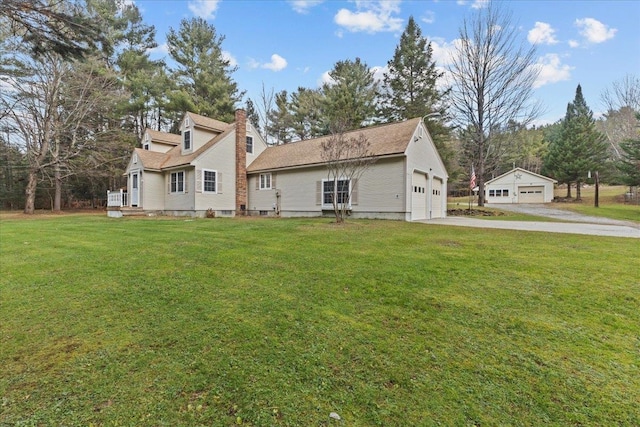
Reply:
x=610, y=201
x=168, y=322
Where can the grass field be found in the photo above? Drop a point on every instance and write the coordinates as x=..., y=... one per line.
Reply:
x=173, y=322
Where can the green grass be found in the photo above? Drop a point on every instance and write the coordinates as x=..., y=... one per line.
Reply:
x=166, y=322
x=610, y=201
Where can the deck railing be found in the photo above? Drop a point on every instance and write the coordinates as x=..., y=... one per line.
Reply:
x=116, y=198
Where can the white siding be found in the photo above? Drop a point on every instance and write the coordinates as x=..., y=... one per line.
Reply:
x=180, y=201
x=381, y=190
x=423, y=157
x=258, y=144
x=512, y=182
x=221, y=158
x=152, y=191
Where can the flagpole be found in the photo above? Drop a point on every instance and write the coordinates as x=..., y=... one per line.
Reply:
x=472, y=183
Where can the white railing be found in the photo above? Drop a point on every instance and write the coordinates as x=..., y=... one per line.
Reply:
x=116, y=198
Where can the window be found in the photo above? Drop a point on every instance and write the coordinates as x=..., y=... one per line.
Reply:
x=265, y=181
x=338, y=189
x=146, y=146
x=187, y=139
x=177, y=182
x=209, y=181
x=250, y=144
x=492, y=193
x=505, y=193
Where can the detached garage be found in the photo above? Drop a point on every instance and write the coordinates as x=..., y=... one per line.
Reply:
x=520, y=186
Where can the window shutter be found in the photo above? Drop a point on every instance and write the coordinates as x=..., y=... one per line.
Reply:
x=354, y=192
x=186, y=181
x=258, y=181
x=198, y=180
x=318, y=192
x=273, y=180
x=219, y=182
x=168, y=183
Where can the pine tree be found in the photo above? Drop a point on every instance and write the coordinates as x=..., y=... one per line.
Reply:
x=252, y=114
x=409, y=88
x=350, y=97
x=306, y=113
x=203, y=74
x=578, y=147
x=629, y=163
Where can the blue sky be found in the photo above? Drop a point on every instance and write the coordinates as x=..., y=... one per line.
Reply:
x=287, y=44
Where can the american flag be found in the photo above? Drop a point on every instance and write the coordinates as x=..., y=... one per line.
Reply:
x=472, y=182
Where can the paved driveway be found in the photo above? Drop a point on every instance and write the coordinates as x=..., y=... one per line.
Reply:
x=577, y=223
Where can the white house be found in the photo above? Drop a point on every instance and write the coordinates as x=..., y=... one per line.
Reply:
x=520, y=186
x=228, y=170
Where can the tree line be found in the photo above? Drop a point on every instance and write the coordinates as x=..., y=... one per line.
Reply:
x=79, y=88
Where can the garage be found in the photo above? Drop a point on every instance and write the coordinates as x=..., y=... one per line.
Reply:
x=436, y=198
x=519, y=186
x=531, y=194
x=419, y=197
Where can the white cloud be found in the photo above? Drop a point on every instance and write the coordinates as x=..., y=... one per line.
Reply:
x=371, y=17
x=303, y=6
x=573, y=43
x=278, y=63
x=476, y=4
x=479, y=4
x=429, y=17
x=551, y=70
x=595, y=31
x=325, y=78
x=443, y=51
x=542, y=33
x=204, y=9
x=160, y=49
x=379, y=72
x=226, y=55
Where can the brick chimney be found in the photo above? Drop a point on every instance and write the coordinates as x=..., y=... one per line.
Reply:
x=241, y=162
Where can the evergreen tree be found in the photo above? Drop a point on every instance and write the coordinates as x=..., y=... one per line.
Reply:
x=578, y=147
x=203, y=74
x=279, y=119
x=306, y=113
x=629, y=163
x=44, y=27
x=350, y=99
x=410, y=84
x=252, y=114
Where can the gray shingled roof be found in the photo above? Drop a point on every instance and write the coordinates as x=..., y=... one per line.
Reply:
x=385, y=140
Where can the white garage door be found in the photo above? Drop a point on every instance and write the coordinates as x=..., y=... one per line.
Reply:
x=436, y=198
x=530, y=194
x=419, y=197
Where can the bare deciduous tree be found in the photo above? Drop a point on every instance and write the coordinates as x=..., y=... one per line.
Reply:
x=492, y=73
x=622, y=93
x=347, y=158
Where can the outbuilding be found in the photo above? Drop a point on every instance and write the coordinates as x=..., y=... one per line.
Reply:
x=520, y=186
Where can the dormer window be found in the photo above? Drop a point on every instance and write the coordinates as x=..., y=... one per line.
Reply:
x=250, y=144
x=187, y=139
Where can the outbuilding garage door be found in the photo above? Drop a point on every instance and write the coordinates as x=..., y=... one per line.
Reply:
x=436, y=198
x=531, y=195
x=419, y=197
